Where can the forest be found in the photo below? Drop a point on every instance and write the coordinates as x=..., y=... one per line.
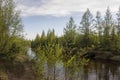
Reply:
x=96, y=37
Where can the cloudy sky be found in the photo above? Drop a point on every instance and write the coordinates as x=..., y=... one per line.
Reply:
x=38, y=15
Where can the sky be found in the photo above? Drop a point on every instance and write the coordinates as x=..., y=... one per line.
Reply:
x=39, y=15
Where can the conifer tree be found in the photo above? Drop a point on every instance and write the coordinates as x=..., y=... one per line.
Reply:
x=118, y=22
x=108, y=24
x=86, y=27
x=99, y=26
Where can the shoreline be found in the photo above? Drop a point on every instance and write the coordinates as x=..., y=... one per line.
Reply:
x=103, y=55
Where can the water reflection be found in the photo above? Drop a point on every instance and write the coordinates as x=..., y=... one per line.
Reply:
x=95, y=70
x=31, y=53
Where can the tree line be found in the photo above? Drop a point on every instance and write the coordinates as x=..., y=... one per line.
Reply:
x=101, y=33
x=98, y=32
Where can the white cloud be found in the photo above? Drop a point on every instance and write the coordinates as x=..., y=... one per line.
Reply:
x=64, y=7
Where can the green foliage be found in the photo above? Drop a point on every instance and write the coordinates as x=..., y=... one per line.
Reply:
x=13, y=47
x=11, y=40
x=71, y=48
x=118, y=21
x=69, y=40
x=48, y=51
x=86, y=27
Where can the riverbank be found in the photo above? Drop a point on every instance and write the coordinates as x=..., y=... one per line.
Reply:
x=104, y=55
x=17, y=71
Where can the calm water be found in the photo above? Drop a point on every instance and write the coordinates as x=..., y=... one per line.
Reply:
x=101, y=70
x=95, y=70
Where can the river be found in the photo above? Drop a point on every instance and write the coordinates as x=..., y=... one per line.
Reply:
x=95, y=70
x=101, y=70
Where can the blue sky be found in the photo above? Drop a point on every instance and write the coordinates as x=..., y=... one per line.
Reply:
x=36, y=24
x=39, y=15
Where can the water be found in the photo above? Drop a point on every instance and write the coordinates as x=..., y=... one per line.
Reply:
x=95, y=70
x=101, y=70
x=31, y=53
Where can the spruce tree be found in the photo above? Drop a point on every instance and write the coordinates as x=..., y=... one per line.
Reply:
x=86, y=27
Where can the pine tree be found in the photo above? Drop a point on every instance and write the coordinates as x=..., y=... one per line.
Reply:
x=118, y=22
x=69, y=35
x=99, y=23
x=86, y=27
x=108, y=24
x=99, y=27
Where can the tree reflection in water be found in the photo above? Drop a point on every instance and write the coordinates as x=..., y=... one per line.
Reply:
x=95, y=70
